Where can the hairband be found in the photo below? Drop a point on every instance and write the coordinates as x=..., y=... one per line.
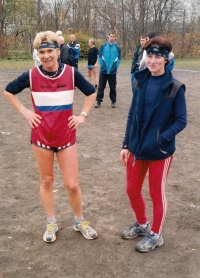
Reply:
x=48, y=45
x=158, y=51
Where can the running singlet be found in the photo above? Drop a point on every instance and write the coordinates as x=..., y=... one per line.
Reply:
x=52, y=99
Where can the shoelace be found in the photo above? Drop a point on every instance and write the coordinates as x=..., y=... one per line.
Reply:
x=149, y=238
x=136, y=228
x=85, y=225
x=50, y=227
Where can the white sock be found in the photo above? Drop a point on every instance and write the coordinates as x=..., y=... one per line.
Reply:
x=78, y=220
x=143, y=225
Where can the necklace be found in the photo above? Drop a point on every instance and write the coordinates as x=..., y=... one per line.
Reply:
x=50, y=76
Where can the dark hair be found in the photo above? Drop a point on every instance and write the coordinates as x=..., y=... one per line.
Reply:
x=160, y=42
x=151, y=35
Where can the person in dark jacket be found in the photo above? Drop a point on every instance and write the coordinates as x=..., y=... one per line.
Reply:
x=64, y=52
x=157, y=114
x=74, y=48
x=137, y=57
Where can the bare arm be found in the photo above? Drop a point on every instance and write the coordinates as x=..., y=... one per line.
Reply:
x=75, y=121
x=32, y=118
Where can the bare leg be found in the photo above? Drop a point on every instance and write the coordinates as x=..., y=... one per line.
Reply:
x=89, y=75
x=95, y=75
x=44, y=159
x=68, y=162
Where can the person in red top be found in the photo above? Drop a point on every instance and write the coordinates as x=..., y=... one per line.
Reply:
x=54, y=126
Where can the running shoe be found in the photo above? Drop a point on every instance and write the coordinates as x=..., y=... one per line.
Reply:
x=135, y=230
x=150, y=242
x=85, y=230
x=50, y=233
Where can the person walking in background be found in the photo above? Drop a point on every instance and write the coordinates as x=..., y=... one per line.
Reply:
x=137, y=57
x=92, y=61
x=157, y=114
x=75, y=46
x=54, y=126
x=36, y=58
x=109, y=60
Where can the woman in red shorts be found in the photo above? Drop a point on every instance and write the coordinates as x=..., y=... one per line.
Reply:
x=54, y=126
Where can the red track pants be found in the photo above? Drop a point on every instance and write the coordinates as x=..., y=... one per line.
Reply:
x=136, y=172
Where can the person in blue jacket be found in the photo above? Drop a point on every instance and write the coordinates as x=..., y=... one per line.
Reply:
x=109, y=60
x=75, y=47
x=157, y=114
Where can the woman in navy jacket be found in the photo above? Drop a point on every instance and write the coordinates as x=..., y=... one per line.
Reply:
x=157, y=114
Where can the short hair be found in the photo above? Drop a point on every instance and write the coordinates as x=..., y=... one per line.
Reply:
x=59, y=33
x=113, y=32
x=92, y=40
x=48, y=36
x=61, y=40
x=159, y=42
x=151, y=35
x=143, y=37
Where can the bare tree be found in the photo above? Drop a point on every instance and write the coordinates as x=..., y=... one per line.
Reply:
x=58, y=13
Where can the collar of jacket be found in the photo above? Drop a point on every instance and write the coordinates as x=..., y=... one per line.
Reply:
x=143, y=75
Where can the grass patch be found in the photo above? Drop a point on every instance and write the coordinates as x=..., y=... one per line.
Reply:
x=16, y=65
x=187, y=64
x=184, y=64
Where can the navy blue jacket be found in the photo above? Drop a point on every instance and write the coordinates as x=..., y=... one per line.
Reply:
x=167, y=117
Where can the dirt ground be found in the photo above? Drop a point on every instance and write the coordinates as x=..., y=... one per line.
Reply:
x=106, y=206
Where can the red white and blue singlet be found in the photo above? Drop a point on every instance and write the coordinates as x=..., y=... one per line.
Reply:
x=52, y=99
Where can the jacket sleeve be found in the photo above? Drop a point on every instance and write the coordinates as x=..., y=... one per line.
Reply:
x=100, y=56
x=143, y=64
x=76, y=50
x=134, y=60
x=180, y=117
x=119, y=57
x=65, y=55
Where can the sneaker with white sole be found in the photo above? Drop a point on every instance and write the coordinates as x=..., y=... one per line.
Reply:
x=85, y=230
x=150, y=242
x=50, y=233
x=135, y=230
